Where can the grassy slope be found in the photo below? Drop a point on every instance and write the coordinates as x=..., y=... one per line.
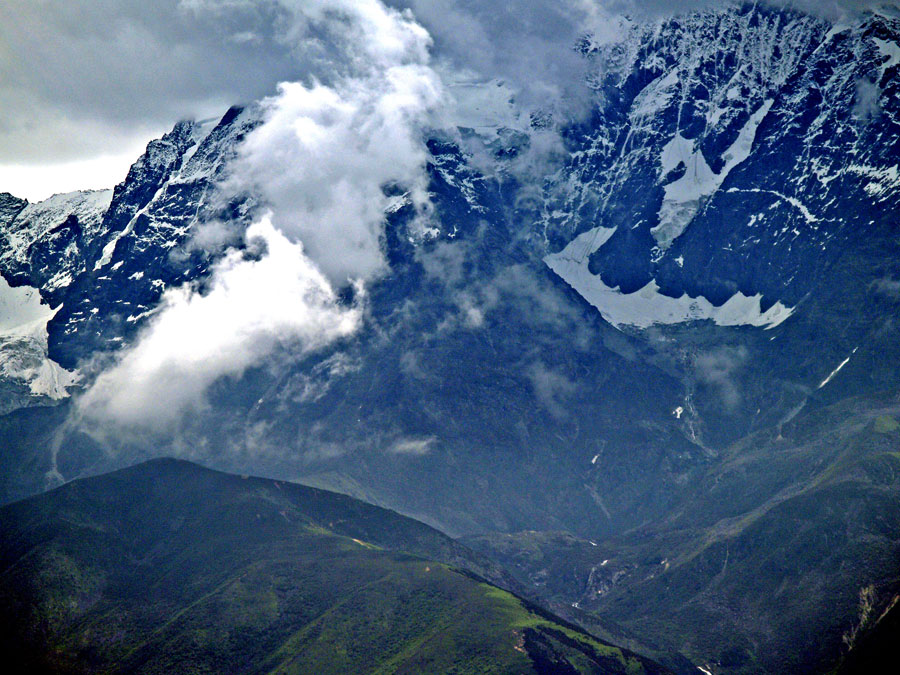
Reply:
x=168, y=566
x=762, y=568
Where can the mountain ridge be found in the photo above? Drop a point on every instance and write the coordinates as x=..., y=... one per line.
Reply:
x=154, y=566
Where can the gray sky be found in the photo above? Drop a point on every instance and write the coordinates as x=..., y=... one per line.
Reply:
x=84, y=84
x=92, y=80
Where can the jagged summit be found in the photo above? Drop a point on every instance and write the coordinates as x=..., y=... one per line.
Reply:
x=700, y=108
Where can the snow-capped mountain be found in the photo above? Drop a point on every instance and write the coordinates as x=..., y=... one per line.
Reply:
x=699, y=111
x=715, y=259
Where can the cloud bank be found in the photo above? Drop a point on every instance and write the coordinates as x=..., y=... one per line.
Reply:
x=320, y=161
x=82, y=77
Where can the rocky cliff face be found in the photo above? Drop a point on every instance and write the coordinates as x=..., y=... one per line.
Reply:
x=727, y=208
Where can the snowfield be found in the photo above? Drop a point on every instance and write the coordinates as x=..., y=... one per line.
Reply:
x=648, y=306
x=23, y=343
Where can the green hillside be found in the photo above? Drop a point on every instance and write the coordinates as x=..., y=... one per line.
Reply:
x=739, y=570
x=170, y=567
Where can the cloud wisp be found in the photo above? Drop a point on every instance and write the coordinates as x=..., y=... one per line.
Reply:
x=719, y=369
x=324, y=155
x=255, y=306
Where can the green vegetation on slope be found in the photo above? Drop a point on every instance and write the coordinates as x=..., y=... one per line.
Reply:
x=168, y=567
x=760, y=568
x=885, y=424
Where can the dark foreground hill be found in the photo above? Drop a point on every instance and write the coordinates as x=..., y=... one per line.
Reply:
x=171, y=567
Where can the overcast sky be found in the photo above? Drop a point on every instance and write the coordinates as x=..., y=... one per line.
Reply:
x=84, y=84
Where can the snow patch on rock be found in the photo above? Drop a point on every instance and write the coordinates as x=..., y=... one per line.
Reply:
x=23, y=343
x=647, y=306
x=884, y=181
x=36, y=220
x=889, y=50
x=683, y=196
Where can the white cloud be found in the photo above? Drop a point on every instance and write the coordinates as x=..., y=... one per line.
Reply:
x=416, y=447
x=720, y=368
x=319, y=161
x=323, y=156
x=254, y=308
x=866, y=102
x=551, y=388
